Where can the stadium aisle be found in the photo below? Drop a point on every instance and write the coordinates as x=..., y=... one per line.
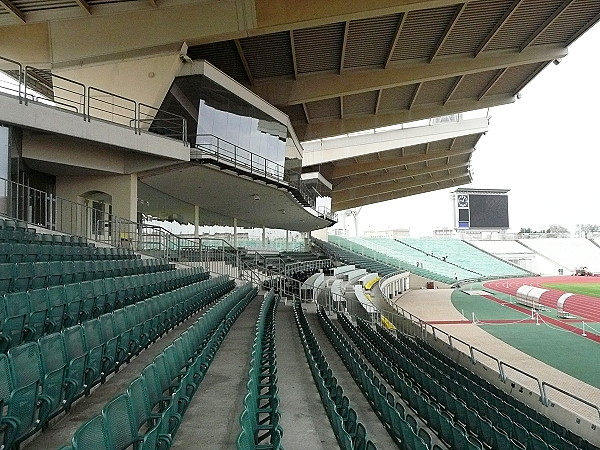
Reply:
x=212, y=418
x=375, y=430
x=305, y=423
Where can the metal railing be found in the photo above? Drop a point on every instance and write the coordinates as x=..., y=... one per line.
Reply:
x=221, y=150
x=236, y=156
x=68, y=94
x=98, y=104
x=91, y=102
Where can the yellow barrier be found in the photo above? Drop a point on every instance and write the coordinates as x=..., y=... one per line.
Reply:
x=369, y=284
x=386, y=323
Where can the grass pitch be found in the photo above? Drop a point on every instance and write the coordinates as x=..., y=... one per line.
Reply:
x=591, y=289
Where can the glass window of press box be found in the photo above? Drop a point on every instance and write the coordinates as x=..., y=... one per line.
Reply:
x=238, y=130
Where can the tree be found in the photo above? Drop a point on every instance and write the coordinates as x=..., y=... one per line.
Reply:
x=557, y=229
x=525, y=230
x=584, y=229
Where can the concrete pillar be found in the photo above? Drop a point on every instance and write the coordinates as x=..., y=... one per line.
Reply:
x=196, y=221
x=235, y=232
x=287, y=239
x=264, y=236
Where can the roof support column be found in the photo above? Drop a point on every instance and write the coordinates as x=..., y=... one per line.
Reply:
x=287, y=239
x=196, y=221
x=264, y=236
x=235, y=232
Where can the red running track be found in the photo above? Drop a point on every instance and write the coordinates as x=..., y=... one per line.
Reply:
x=578, y=304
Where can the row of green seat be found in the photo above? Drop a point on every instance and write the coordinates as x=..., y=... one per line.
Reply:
x=260, y=417
x=149, y=413
x=17, y=252
x=447, y=431
x=472, y=396
x=349, y=432
x=41, y=379
x=382, y=401
x=14, y=230
x=17, y=277
x=26, y=316
x=491, y=428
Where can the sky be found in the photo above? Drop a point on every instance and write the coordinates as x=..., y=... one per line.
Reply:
x=545, y=148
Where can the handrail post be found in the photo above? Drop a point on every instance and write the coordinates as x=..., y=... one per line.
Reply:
x=24, y=85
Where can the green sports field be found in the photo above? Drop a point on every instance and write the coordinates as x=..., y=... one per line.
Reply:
x=591, y=289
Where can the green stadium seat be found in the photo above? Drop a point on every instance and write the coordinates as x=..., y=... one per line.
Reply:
x=28, y=404
x=120, y=423
x=75, y=303
x=56, y=384
x=76, y=353
x=88, y=300
x=92, y=435
x=98, y=364
x=23, y=276
x=19, y=253
x=7, y=272
x=39, y=279
x=114, y=354
x=13, y=317
x=38, y=313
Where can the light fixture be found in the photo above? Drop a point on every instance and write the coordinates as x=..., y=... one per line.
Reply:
x=256, y=196
x=282, y=211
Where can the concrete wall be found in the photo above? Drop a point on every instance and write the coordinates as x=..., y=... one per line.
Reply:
x=122, y=188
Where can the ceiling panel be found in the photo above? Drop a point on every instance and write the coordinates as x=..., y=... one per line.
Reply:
x=397, y=98
x=371, y=52
x=223, y=55
x=324, y=109
x=319, y=49
x=269, y=55
x=421, y=33
x=577, y=15
x=527, y=18
x=513, y=78
x=471, y=86
x=358, y=104
x=435, y=92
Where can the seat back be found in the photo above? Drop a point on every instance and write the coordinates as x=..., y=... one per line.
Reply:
x=92, y=435
x=54, y=364
x=120, y=422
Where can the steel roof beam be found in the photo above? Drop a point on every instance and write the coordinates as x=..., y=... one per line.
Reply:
x=13, y=10
x=327, y=85
x=418, y=188
x=459, y=10
x=354, y=182
x=365, y=168
x=492, y=34
x=85, y=5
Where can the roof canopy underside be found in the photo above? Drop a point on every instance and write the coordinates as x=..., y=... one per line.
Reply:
x=334, y=68
x=399, y=172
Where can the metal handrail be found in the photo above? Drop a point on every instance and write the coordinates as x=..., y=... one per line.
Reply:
x=568, y=394
x=133, y=109
x=20, y=66
x=71, y=104
x=239, y=157
x=179, y=132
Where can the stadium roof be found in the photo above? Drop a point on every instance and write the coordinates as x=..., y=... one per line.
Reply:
x=333, y=67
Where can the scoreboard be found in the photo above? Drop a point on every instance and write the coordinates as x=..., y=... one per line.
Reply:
x=481, y=209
